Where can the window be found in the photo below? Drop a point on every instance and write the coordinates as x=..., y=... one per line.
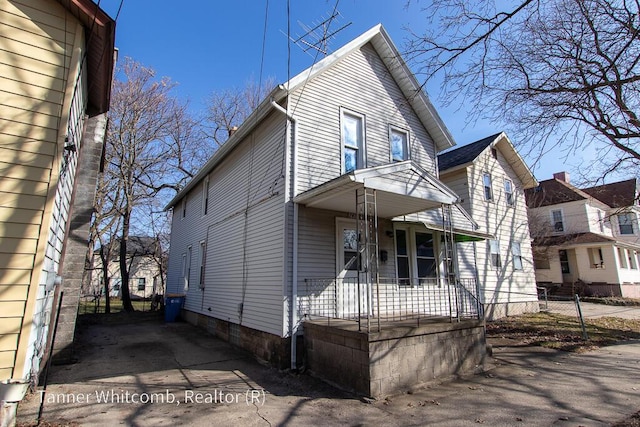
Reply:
x=141, y=284
x=399, y=144
x=556, y=220
x=508, y=191
x=184, y=207
x=596, y=260
x=350, y=249
x=402, y=254
x=494, y=252
x=202, y=262
x=186, y=267
x=541, y=260
x=625, y=222
x=622, y=259
x=205, y=196
x=353, y=141
x=564, y=261
x=488, y=191
x=601, y=220
x=517, y=256
x=415, y=256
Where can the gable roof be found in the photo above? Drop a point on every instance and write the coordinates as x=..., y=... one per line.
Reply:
x=552, y=192
x=464, y=156
x=390, y=56
x=100, y=35
x=617, y=194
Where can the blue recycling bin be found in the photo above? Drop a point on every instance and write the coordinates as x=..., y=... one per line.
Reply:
x=172, y=305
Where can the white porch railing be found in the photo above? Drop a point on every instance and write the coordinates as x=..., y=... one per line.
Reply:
x=388, y=301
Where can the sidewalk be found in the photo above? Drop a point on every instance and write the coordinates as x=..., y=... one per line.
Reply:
x=150, y=373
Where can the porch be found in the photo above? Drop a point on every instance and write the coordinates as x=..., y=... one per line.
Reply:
x=387, y=302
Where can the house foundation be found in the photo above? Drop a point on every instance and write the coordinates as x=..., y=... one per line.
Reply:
x=267, y=347
x=396, y=359
x=494, y=311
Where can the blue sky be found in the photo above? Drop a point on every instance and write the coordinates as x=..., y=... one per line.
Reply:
x=206, y=46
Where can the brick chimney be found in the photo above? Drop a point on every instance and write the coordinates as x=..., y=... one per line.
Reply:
x=562, y=176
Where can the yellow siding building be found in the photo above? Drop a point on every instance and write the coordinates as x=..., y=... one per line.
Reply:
x=56, y=62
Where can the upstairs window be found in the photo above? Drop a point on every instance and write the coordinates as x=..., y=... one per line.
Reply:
x=601, y=220
x=352, y=141
x=557, y=221
x=625, y=222
x=141, y=283
x=399, y=140
x=203, y=254
x=205, y=196
x=488, y=190
x=508, y=192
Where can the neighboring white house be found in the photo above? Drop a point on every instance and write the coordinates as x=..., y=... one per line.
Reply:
x=143, y=258
x=339, y=161
x=490, y=178
x=586, y=237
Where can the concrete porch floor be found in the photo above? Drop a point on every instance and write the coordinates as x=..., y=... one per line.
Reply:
x=527, y=386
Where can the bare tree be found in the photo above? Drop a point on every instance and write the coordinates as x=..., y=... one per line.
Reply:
x=560, y=73
x=227, y=109
x=153, y=147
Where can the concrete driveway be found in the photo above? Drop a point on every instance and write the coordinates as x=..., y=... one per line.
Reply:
x=151, y=373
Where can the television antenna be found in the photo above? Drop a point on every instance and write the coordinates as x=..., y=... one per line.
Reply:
x=318, y=35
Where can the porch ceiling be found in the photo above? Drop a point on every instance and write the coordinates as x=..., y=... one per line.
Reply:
x=401, y=189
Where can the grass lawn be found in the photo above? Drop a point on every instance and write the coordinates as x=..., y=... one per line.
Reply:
x=563, y=332
x=88, y=306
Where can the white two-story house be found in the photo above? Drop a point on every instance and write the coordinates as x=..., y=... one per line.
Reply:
x=326, y=204
x=586, y=238
x=490, y=178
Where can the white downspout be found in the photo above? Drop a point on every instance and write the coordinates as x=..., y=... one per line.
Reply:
x=294, y=278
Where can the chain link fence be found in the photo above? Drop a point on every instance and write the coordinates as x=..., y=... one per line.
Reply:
x=96, y=304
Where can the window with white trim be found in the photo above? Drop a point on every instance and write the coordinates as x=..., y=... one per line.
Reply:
x=622, y=259
x=203, y=254
x=508, y=192
x=596, y=260
x=494, y=253
x=557, y=221
x=205, y=196
x=141, y=283
x=353, y=147
x=626, y=222
x=488, y=189
x=187, y=274
x=415, y=256
x=399, y=141
x=516, y=252
x=600, y=220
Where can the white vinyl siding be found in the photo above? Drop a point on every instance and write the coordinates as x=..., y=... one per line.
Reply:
x=244, y=253
x=359, y=82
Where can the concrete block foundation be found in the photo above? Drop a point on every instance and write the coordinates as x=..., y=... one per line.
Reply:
x=394, y=360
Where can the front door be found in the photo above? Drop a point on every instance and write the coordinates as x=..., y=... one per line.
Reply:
x=347, y=266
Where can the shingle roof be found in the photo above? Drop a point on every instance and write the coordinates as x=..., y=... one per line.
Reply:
x=617, y=194
x=552, y=192
x=464, y=154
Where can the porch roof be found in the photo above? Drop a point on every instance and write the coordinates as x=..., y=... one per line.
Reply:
x=401, y=189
